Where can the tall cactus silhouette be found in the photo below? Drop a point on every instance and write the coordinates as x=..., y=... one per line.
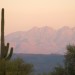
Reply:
x=5, y=54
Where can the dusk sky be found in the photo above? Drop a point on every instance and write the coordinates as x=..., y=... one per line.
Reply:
x=22, y=15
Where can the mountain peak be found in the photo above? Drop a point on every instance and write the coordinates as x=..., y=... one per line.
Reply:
x=65, y=27
x=47, y=28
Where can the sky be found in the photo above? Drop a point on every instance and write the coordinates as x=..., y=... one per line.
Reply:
x=22, y=15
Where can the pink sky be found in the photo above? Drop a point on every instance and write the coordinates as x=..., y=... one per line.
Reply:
x=21, y=15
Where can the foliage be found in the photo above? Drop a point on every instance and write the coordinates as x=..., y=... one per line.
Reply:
x=59, y=70
x=70, y=60
x=15, y=67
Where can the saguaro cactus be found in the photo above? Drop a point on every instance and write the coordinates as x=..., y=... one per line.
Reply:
x=5, y=54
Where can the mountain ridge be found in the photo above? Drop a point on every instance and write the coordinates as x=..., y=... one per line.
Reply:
x=44, y=40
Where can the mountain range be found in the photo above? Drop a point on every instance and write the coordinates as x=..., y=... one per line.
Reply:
x=44, y=40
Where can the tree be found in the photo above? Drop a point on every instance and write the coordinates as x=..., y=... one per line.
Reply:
x=70, y=60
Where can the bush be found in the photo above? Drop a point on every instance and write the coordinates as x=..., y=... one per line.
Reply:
x=15, y=67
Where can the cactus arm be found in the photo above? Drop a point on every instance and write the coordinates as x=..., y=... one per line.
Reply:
x=7, y=47
x=10, y=54
x=6, y=50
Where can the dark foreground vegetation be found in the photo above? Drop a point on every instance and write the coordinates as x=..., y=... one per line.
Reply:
x=19, y=67
x=15, y=67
